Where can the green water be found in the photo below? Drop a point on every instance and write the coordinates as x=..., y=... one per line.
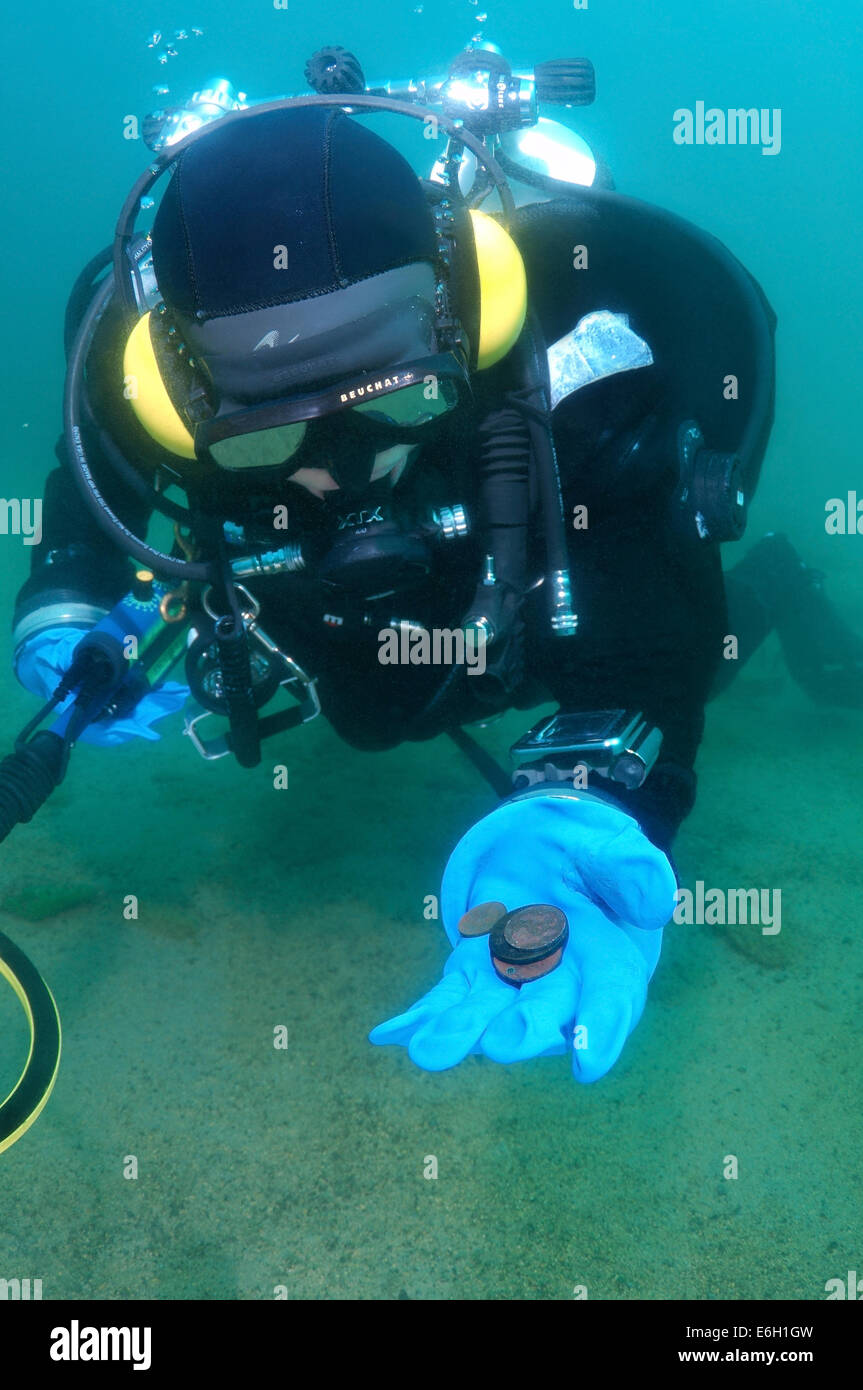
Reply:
x=304, y=1168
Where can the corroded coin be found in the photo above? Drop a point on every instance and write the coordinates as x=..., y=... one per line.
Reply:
x=480, y=920
x=516, y=974
x=534, y=928
x=529, y=942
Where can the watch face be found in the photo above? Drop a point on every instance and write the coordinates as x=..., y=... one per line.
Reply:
x=569, y=733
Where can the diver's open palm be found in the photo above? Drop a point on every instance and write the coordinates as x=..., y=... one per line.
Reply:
x=617, y=890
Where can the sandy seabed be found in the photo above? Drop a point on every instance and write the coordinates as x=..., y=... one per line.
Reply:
x=259, y=1167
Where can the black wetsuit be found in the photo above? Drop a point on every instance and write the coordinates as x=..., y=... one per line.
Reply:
x=649, y=593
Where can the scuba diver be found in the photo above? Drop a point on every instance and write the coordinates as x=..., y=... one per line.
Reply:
x=396, y=416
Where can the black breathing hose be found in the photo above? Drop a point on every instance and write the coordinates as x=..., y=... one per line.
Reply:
x=504, y=516
x=167, y=565
x=538, y=414
x=554, y=188
x=518, y=440
x=80, y=295
x=130, y=476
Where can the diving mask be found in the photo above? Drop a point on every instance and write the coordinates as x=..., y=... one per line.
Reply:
x=403, y=404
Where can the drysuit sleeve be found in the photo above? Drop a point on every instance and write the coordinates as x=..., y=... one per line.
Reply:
x=652, y=616
x=76, y=567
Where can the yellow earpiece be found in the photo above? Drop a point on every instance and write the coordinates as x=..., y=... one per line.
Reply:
x=144, y=388
x=503, y=289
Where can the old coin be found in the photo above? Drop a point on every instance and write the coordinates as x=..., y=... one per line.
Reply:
x=530, y=933
x=516, y=974
x=529, y=942
x=480, y=919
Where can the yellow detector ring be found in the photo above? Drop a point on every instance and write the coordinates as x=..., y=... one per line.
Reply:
x=29, y=1096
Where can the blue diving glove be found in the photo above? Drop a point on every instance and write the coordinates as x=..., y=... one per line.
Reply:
x=617, y=890
x=46, y=657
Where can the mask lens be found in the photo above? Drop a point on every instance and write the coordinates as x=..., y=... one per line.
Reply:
x=413, y=405
x=396, y=413
x=261, y=448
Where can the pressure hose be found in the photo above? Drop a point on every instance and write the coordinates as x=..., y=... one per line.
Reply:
x=535, y=404
x=517, y=444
